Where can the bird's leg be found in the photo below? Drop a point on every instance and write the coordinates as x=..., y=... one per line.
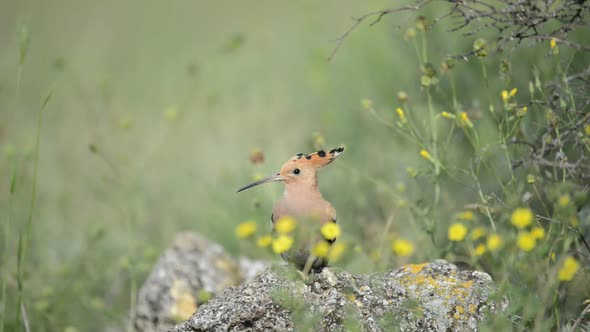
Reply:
x=308, y=265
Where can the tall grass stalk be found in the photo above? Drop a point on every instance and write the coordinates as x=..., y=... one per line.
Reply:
x=24, y=232
x=7, y=229
x=23, y=47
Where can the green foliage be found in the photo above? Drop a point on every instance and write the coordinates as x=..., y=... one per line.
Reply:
x=149, y=129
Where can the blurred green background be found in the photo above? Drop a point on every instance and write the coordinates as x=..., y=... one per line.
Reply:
x=155, y=109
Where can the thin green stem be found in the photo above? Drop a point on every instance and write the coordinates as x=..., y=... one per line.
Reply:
x=413, y=137
x=424, y=47
x=484, y=71
x=385, y=233
x=483, y=200
x=454, y=91
x=132, y=301
x=434, y=148
x=416, y=47
x=508, y=160
x=24, y=232
x=565, y=82
x=7, y=232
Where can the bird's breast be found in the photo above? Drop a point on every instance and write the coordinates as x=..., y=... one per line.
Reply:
x=316, y=210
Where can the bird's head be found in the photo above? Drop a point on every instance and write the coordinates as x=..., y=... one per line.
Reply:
x=301, y=169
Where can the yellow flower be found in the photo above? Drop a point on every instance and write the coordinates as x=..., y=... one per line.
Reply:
x=522, y=111
x=282, y=244
x=480, y=249
x=264, y=241
x=401, y=187
x=521, y=217
x=531, y=179
x=504, y=95
x=401, y=115
x=513, y=92
x=421, y=23
x=125, y=123
x=447, y=115
x=171, y=112
x=526, y=241
x=564, y=200
x=494, y=242
x=457, y=232
x=465, y=119
x=410, y=34
x=402, y=96
x=568, y=269
x=367, y=104
x=321, y=249
x=246, y=229
x=587, y=130
x=538, y=233
x=552, y=43
x=319, y=140
x=330, y=230
x=285, y=225
x=466, y=215
x=336, y=251
x=402, y=247
x=478, y=233
x=480, y=48
x=426, y=155
x=574, y=222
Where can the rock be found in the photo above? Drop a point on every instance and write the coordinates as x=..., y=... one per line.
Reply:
x=188, y=274
x=426, y=297
x=250, y=268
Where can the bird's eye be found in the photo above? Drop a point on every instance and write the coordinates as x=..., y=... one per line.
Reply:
x=296, y=171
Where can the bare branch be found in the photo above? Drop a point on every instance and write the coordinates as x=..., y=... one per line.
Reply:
x=379, y=14
x=568, y=227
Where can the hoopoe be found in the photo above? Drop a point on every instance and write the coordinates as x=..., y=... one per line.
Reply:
x=303, y=201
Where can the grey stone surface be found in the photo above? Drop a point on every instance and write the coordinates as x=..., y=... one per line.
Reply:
x=188, y=274
x=434, y=296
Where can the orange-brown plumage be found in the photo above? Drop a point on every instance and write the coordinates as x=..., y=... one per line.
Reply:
x=302, y=199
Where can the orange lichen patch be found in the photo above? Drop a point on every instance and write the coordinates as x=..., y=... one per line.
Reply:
x=450, y=280
x=415, y=268
x=183, y=307
x=454, y=291
x=419, y=280
x=184, y=304
x=467, y=284
x=350, y=297
x=463, y=293
x=459, y=311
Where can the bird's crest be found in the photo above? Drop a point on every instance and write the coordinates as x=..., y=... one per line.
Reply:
x=317, y=159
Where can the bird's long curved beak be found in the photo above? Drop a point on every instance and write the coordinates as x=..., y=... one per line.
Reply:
x=273, y=178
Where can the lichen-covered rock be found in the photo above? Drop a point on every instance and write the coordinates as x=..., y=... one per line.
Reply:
x=187, y=275
x=427, y=297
